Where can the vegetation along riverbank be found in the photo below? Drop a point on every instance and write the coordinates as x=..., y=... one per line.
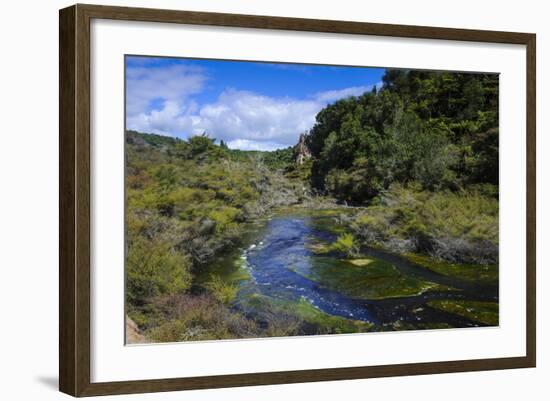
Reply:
x=383, y=217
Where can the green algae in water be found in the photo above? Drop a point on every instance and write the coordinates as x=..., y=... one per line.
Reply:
x=320, y=219
x=232, y=269
x=377, y=280
x=313, y=320
x=334, y=324
x=481, y=312
x=241, y=272
x=293, y=211
x=402, y=326
x=327, y=223
x=467, y=272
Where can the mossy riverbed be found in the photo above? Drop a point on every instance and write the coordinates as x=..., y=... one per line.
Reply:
x=365, y=278
x=290, y=267
x=301, y=311
x=485, y=313
x=467, y=272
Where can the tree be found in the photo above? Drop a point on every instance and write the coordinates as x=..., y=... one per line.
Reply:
x=437, y=128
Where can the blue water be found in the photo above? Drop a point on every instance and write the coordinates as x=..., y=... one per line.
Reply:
x=281, y=250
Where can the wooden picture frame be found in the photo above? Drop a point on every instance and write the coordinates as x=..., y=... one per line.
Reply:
x=74, y=203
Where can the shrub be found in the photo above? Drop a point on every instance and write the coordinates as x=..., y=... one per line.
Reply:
x=221, y=290
x=224, y=217
x=153, y=269
x=200, y=144
x=199, y=317
x=166, y=176
x=454, y=226
x=345, y=244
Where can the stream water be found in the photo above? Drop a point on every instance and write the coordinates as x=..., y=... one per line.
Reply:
x=281, y=264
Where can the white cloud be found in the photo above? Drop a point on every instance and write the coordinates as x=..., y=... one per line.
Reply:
x=243, y=119
x=247, y=144
x=246, y=115
x=170, y=83
x=331, y=96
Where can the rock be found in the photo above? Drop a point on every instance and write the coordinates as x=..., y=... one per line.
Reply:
x=318, y=248
x=133, y=335
x=301, y=150
x=360, y=262
x=134, y=139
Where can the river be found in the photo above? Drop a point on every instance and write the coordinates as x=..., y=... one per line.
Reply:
x=281, y=259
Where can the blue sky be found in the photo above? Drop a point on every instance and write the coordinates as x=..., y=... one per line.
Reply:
x=249, y=105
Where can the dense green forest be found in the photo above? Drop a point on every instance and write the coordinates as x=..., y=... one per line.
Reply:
x=437, y=129
x=410, y=168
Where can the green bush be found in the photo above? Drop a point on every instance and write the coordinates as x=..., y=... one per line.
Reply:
x=153, y=269
x=225, y=217
x=457, y=226
x=345, y=244
x=221, y=290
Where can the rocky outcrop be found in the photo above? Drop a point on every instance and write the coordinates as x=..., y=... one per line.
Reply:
x=133, y=335
x=301, y=150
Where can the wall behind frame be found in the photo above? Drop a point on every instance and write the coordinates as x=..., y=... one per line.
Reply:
x=28, y=205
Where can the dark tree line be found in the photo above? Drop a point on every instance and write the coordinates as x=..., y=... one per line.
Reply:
x=435, y=128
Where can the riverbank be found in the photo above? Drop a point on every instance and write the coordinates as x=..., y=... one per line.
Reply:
x=454, y=227
x=287, y=279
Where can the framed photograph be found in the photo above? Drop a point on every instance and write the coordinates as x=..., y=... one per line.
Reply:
x=249, y=200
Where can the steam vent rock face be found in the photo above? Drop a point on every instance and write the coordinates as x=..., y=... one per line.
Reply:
x=301, y=150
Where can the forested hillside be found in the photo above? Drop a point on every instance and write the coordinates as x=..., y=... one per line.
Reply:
x=438, y=129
